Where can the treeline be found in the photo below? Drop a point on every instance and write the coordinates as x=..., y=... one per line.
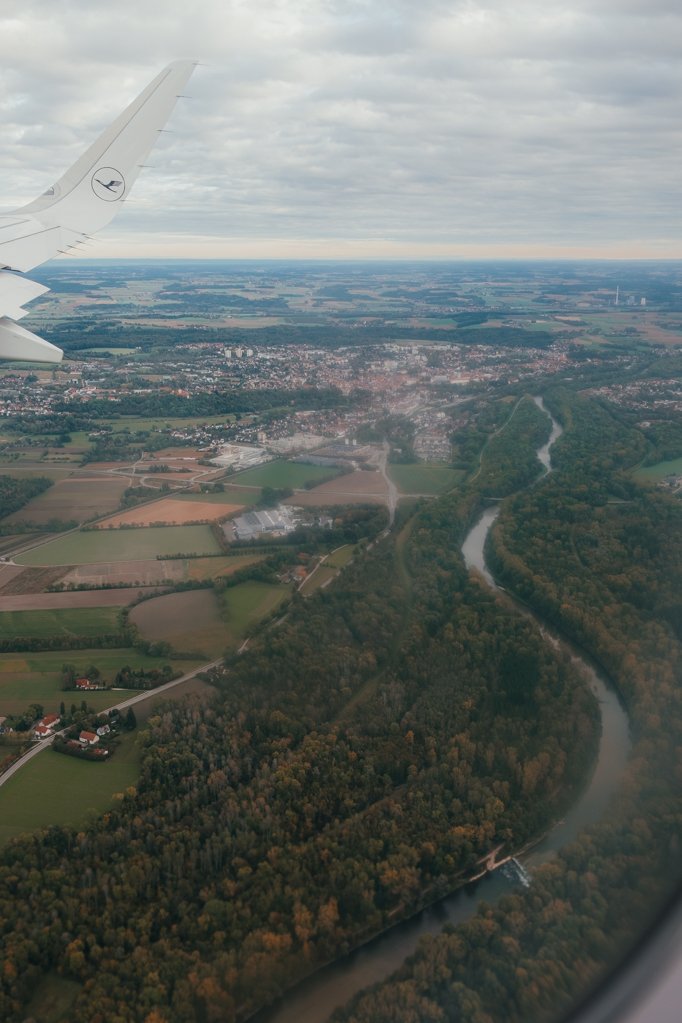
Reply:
x=74, y=335
x=15, y=493
x=601, y=558
x=358, y=761
x=211, y=403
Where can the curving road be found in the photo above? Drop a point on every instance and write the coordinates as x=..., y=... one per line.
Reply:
x=144, y=694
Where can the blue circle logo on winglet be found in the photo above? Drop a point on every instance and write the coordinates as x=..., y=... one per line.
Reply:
x=108, y=184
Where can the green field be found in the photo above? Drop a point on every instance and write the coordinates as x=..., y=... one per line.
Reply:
x=424, y=479
x=341, y=556
x=86, y=621
x=211, y=568
x=27, y=678
x=136, y=423
x=25, y=471
x=232, y=495
x=196, y=620
x=283, y=474
x=319, y=578
x=56, y=789
x=96, y=546
x=654, y=473
x=247, y=603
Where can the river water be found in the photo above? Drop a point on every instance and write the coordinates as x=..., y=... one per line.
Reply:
x=313, y=1000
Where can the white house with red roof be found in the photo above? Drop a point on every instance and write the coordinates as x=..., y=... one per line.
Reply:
x=88, y=738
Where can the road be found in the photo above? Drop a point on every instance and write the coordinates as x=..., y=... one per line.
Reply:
x=139, y=697
x=392, y=489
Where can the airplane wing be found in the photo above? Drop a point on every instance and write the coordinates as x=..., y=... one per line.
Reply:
x=84, y=200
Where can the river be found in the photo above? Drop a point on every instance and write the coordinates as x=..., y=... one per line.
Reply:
x=314, y=999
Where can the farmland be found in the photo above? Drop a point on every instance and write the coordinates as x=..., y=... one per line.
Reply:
x=91, y=621
x=248, y=603
x=54, y=789
x=169, y=511
x=83, y=548
x=232, y=494
x=68, y=599
x=355, y=488
x=283, y=474
x=189, y=621
x=36, y=677
x=72, y=499
x=195, y=621
x=424, y=479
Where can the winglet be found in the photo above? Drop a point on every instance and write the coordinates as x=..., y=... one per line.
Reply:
x=89, y=195
x=84, y=200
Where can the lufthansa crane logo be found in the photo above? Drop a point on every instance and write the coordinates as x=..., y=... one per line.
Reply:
x=108, y=184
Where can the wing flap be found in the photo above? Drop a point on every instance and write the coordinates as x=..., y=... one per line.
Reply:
x=18, y=343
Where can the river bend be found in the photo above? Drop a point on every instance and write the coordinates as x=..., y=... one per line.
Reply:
x=314, y=999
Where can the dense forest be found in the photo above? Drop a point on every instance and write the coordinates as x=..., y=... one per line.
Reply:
x=357, y=762
x=600, y=556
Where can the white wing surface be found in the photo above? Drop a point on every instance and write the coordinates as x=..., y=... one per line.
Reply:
x=83, y=201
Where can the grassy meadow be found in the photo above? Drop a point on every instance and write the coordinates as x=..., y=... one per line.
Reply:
x=283, y=474
x=87, y=621
x=419, y=478
x=654, y=473
x=56, y=789
x=95, y=546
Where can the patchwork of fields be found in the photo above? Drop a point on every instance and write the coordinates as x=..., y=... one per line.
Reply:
x=158, y=544
x=72, y=499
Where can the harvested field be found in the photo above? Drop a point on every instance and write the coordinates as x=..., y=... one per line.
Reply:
x=55, y=601
x=355, y=488
x=171, y=512
x=77, y=499
x=8, y=573
x=212, y=568
x=189, y=621
x=30, y=580
x=8, y=543
x=132, y=573
x=157, y=573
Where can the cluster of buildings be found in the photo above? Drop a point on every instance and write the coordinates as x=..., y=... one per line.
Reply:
x=269, y=522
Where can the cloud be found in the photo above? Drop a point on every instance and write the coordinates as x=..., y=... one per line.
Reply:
x=359, y=123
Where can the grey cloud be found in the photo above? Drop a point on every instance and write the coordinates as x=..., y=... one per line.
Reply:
x=325, y=118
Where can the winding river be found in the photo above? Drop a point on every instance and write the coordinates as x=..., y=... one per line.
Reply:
x=313, y=1000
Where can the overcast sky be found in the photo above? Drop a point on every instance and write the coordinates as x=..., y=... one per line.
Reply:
x=364, y=128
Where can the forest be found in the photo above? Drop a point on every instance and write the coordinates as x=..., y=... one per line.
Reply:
x=599, y=556
x=356, y=764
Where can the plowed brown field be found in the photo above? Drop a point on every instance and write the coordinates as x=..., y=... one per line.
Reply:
x=171, y=512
